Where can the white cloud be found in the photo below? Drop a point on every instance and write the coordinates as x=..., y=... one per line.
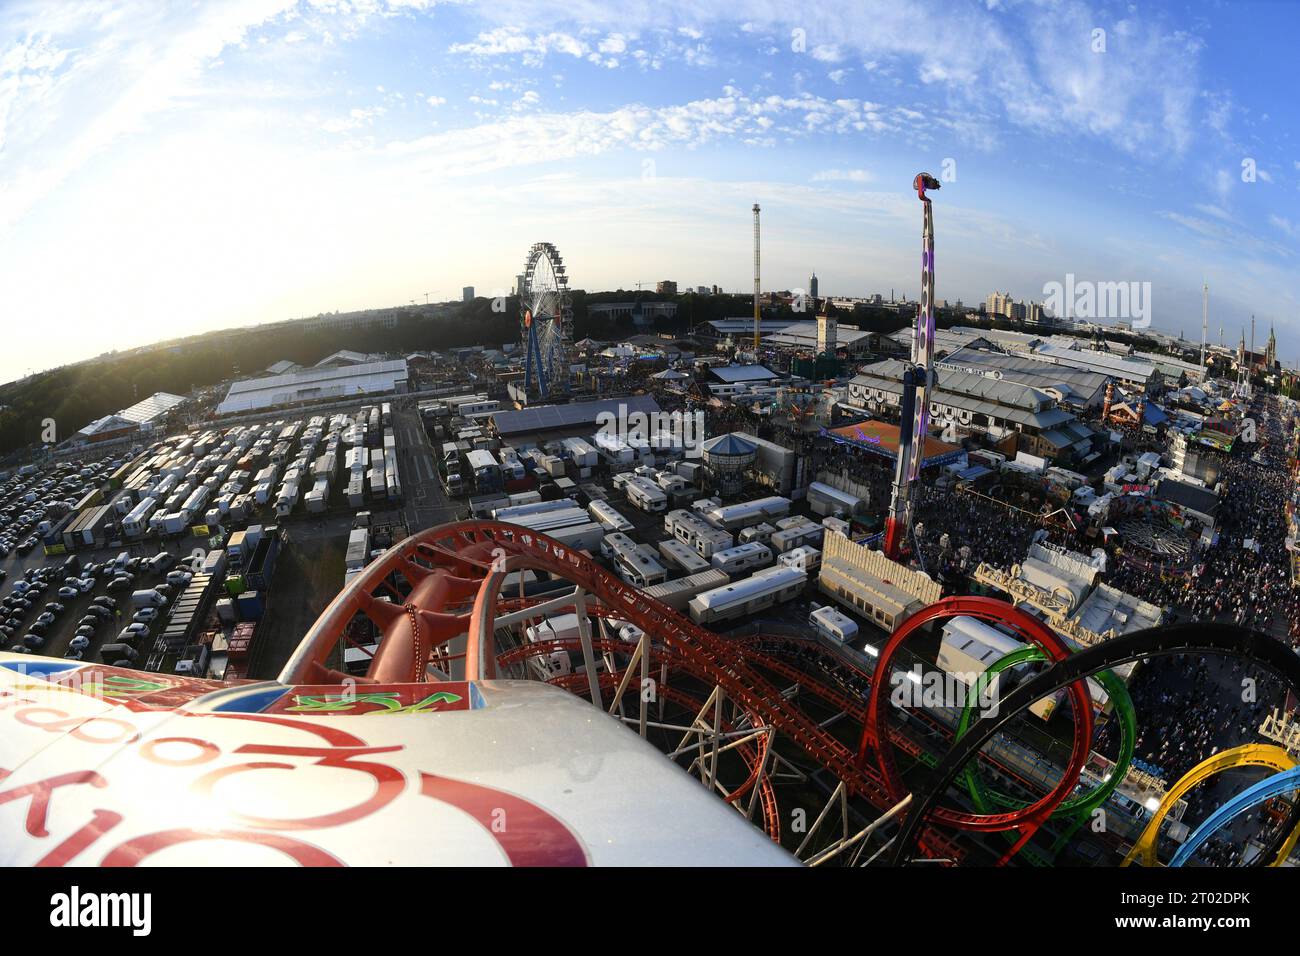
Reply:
x=740, y=118
x=436, y=100
x=614, y=43
x=1031, y=64
x=511, y=41
x=355, y=119
x=529, y=99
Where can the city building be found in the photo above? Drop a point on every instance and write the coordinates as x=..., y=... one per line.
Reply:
x=810, y=336
x=640, y=313
x=979, y=404
x=1076, y=388
x=865, y=581
x=315, y=385
x=666, y=287
x=1131, y=373
x=548, y=422
x=467, y=294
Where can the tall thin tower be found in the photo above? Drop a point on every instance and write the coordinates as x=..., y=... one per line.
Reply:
x=757, y=288
x=918, y=381
x=1205, y=322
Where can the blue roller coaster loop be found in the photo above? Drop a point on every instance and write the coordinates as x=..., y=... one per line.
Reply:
x=1287, y=781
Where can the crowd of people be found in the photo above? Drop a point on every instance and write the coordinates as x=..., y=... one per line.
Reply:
x=1191, y=707
x=1244, y=577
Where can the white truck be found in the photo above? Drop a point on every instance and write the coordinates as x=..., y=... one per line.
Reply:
x=149, y=597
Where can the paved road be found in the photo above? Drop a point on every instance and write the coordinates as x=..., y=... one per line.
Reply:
x=426, y=502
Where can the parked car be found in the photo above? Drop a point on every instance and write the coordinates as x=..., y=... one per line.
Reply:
x=80, y=642
x=145, y=615
x=120, y=582
x=34, y=641
x=68, y=592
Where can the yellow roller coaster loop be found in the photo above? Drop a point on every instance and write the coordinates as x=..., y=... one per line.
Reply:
x=1247, y=755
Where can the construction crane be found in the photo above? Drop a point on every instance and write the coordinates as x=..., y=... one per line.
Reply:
x=918, y=382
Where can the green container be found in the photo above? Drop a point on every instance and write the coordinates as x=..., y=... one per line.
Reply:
x=235, y=585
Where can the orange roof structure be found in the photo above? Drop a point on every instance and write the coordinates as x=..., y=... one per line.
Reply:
x=882, y=439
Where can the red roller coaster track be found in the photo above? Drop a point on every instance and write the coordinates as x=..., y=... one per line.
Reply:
x=446, y=582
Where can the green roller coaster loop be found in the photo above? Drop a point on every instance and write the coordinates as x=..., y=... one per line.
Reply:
x=1082, y=805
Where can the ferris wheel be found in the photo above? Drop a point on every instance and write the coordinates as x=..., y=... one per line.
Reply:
x=546, y=321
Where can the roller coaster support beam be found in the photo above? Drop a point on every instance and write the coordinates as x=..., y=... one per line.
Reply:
x=836, y=795
x=762, y=773
x=588, y=655
x=848, y=843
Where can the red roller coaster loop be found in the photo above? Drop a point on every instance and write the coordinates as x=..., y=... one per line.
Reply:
x=1030, y=630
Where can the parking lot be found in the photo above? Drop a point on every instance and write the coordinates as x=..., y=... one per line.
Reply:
x=57, y=636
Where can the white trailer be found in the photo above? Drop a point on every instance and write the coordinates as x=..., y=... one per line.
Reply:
x=683, y=556
x=646, y=495
x=748, y=596
x=834, y=624
x=607, y=515
x=742, y=558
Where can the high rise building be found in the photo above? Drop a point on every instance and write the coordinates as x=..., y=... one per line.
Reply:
x=467, y=294
x=666, y=287
x=998, y=303
x=812, y=286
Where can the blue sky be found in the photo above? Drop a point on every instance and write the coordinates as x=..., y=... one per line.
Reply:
x=166, y=169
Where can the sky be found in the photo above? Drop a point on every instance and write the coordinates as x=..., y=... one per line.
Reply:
x=167, y=169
